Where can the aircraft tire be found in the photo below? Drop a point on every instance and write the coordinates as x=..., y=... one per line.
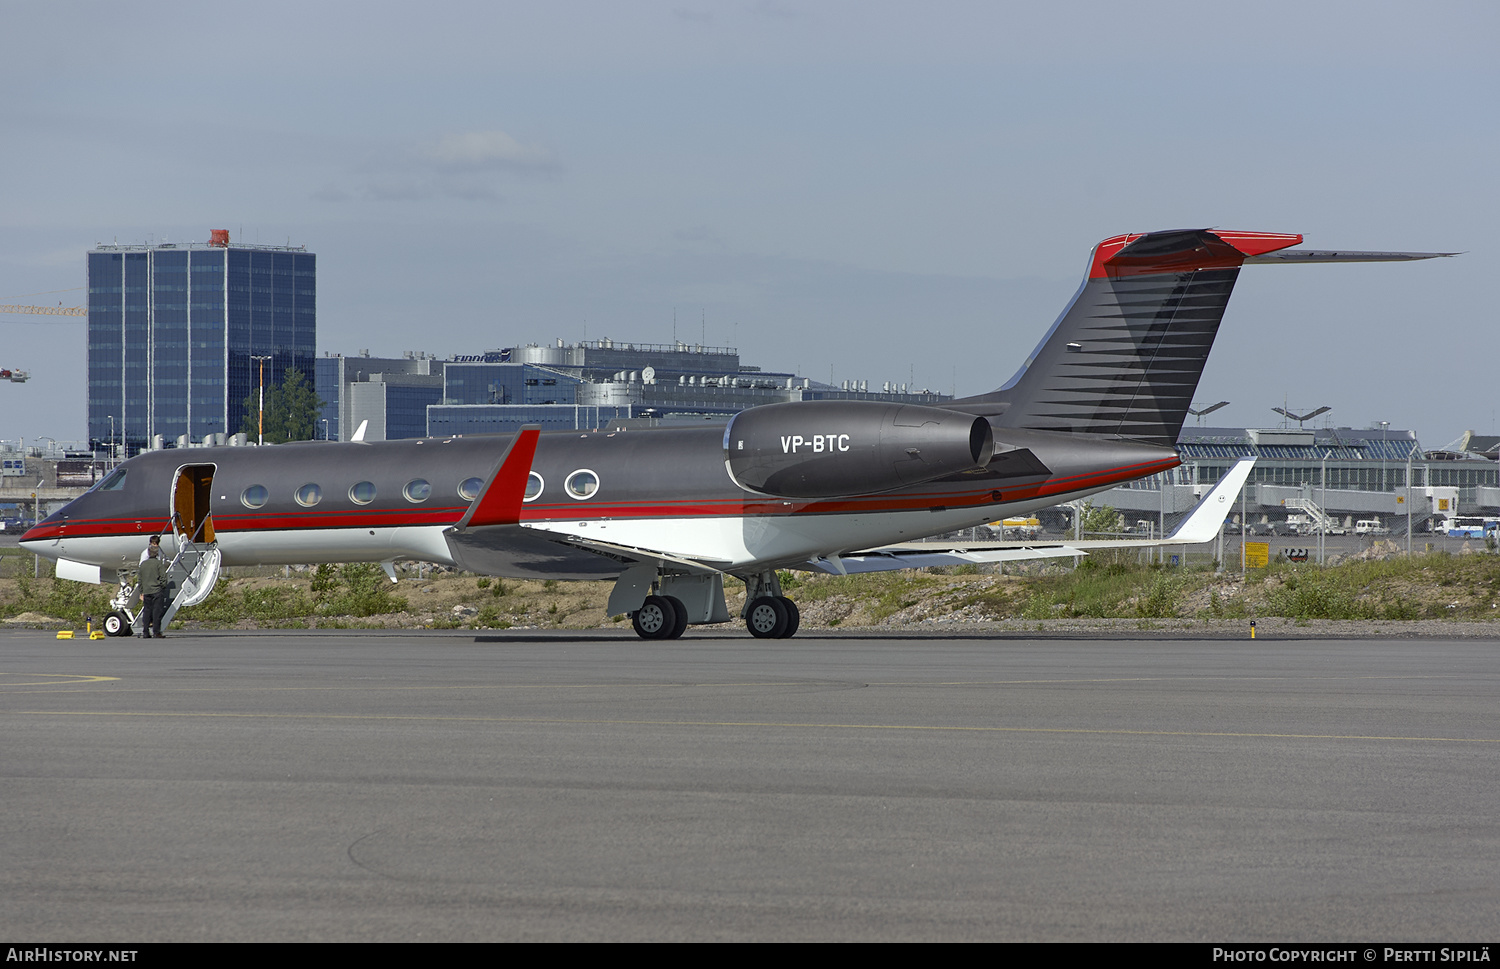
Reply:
x=680, y=621
x=655, y=619
x=116, y=624
x=767, y=618
x=793, y=618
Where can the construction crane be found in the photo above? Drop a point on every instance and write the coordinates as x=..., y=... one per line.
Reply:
x=20, y=376
x=45, y=310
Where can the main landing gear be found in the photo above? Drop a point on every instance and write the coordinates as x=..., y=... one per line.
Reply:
x=769, y=614
x=773, y=617
x=669, y=602
x=660, y=617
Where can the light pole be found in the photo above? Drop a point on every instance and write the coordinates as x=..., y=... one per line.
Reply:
x=111, y=462
x=325, y=428
x=1384, y=426
x=1323, y=531
x=260, y=432
x=1408, y=502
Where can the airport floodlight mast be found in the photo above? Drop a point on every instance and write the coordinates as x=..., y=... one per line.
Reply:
x=260, y=434
x=1299, y=418
x=1207, y=410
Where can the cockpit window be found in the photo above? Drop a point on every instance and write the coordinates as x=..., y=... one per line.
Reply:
x=115, y=482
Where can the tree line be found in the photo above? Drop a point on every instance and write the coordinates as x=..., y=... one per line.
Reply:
x=292, y=410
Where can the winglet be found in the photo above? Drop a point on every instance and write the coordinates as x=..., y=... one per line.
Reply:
x=1206, y=520
x=500, y=502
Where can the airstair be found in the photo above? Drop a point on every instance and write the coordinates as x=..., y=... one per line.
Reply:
x=1322, y=521
x=193, y=572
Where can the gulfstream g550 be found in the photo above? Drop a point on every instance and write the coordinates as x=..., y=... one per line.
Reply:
x=836, y=486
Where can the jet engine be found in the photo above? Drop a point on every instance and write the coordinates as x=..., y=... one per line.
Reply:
x=829, y=449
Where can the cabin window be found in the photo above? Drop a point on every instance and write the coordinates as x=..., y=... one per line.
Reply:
x=581, y=484
x=534, y=486
x=254, y=496
x=417, y=490
x=362, y=493
x=470, y=488
x=309, y=495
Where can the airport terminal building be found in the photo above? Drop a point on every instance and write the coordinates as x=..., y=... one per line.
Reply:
x=564, y=386
x=1350, y=473
x=174, y=329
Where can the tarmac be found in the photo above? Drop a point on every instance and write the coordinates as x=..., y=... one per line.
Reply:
x=448, y=786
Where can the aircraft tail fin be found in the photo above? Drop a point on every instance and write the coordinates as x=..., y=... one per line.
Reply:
x=1124, y=358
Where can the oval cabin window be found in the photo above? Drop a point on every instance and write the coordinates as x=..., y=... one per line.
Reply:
x=582, y=484
x=309, y=495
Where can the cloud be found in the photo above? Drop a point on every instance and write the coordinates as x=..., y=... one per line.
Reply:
x=474, y=151
x=700, y=235
x=402, y=189
x=331, y=193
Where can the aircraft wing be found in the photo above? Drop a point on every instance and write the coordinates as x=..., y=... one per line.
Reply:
x=1203, y=523
x=632, y=553
x=1200, y=526
x=490, y=536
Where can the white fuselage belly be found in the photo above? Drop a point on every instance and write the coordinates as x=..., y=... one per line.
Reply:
x=737, y=542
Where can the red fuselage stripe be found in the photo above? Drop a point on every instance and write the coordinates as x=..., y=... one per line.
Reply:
x=227, y=523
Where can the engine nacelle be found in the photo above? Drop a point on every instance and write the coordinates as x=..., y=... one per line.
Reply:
x=834, y=448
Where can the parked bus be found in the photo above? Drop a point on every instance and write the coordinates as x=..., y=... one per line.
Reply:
x=1467, y=526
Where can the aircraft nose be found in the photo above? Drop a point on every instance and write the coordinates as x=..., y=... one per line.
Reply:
x=39, y=537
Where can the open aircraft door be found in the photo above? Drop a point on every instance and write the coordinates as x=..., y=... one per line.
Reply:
x=196, y=566
x=191, y=520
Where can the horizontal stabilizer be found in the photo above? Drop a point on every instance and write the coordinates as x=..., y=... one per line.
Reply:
x=1340, y=255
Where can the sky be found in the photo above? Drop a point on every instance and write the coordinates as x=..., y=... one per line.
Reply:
x=866, y=190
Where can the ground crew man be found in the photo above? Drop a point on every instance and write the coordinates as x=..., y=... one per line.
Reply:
x=153, y=582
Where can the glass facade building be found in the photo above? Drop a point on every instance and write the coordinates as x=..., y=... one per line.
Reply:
x=173, y=331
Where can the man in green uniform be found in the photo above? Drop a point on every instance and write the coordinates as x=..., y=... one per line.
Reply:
x=153, y=582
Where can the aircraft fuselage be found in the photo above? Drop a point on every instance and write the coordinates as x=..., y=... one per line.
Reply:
x=665, y=490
